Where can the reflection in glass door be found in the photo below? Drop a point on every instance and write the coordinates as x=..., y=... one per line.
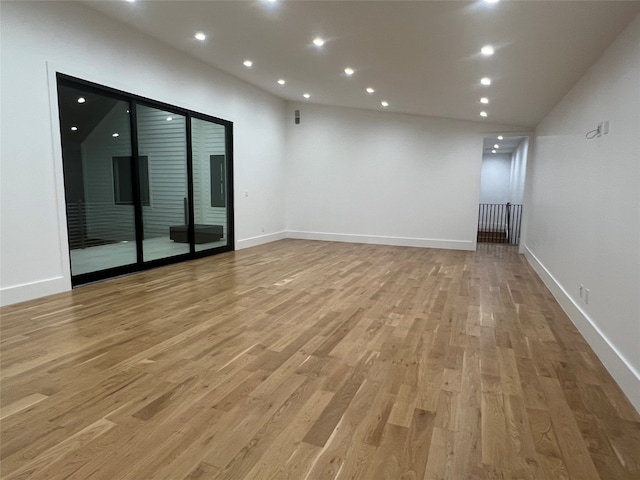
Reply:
x=96, y=158
x=210, y=192
x=146, y=184
x=162, y=147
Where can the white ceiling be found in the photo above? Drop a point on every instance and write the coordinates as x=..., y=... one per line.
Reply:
x=420, y=56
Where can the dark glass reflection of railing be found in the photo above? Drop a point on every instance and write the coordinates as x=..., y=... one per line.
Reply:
x=499, y=223
x=99, y=223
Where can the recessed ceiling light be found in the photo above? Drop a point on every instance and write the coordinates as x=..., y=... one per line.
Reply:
x=306, y=95
x=114, y=135
x=169, y=119
x=496, y=146
x=74, y=129
x=500, y=137
x=493, y=151
x=485, y=81
x=200, y=36
x=318, y=41
x=282, y=81
x=384, y=103
x=82, y=100
x=491, y=1
x=483, y=114
x=349, y=71
x=487, y=50
x=484, y=100
x=370, y=90
x=248, y=63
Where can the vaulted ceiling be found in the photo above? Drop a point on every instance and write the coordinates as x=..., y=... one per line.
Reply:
x=422, y=57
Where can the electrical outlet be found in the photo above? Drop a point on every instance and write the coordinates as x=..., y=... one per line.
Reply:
x=581, y=290
x=586, y=296
x=262, y=229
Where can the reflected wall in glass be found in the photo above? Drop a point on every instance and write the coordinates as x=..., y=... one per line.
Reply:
x=162, y=139
x=95, y=130
x=209, y=155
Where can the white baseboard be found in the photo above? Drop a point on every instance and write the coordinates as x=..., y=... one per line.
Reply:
x=620, y=369
x=30, y=291
x=379, y=240
x=259, y=240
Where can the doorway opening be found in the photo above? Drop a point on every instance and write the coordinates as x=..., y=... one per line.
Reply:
x=502, y=180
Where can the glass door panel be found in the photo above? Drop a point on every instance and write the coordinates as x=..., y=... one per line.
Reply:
x=96, y=156
x=162, y=151
x=137, y=188
x=210, y=196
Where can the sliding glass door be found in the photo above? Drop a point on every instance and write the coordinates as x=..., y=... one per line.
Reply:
x=96, y=149
x=146, y=183
x=162, y=149
x=210, y=185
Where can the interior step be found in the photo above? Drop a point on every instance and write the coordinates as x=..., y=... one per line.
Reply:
x=492, y=237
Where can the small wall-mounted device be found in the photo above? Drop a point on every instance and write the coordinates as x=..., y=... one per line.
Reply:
x=297, y=117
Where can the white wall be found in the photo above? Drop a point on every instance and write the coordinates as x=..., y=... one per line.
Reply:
x=38, y=38
x=495, y=178
x=518, y=172
x=584, y=219
x=379, y=177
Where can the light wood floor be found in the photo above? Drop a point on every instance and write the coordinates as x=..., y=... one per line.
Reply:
x=311, y=360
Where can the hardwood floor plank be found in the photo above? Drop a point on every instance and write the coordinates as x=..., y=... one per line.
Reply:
x=572, y=445
x=494, y=438
x=311, y=360
x=326, y=423
x=21, y=404
x=441, y=453
x=284, y=445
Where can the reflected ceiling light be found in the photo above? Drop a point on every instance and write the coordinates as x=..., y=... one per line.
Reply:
x=487, y=50
x=169, y=119
x=306, y=95
x=493, y=151
x=114, y=135
x=248, y=63
x=500, y=137
x=491, y=1
x=370, y=90
x=483, y=114
x=384, y=103
x=82, y=100
x=74, y=129
x=496, y=146
x=484, y=100
x=485, y=81
x=349, y=71
x=318, y=41
x=130, y=1
x=282, y=81
x=200, y=36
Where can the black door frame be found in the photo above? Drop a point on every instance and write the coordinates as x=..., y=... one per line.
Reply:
x=134, y=100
